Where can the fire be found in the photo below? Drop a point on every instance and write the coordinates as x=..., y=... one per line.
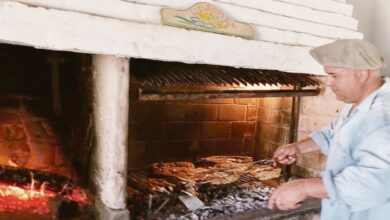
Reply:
x=34, y=199
x=11, y=163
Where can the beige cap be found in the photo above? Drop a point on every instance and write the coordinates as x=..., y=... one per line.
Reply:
x=349, y=54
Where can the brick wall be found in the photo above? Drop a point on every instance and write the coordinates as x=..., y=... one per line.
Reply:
x=27, y=140
x=273, y=125
x=27, y=132
x=161, y=131
x=316, y=112
x=30, y=136
x=186, y=130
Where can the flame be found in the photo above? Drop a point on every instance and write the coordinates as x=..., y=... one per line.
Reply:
x=14, y=198
x=11, y=163
x=42, y=189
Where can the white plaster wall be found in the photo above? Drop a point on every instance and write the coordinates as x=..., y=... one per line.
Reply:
x=374, y=23
x=133, y=28
x=362, y=11
x=381, y=29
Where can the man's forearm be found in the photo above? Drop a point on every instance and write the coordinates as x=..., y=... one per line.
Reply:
x=307, y=145
x=315, y=188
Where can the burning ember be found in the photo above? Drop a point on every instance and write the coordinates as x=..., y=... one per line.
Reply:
x=38, y=195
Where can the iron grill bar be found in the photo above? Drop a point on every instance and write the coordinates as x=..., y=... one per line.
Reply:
x=159, y=73
x=160, y=95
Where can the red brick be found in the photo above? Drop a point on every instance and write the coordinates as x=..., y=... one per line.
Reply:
x=265, y=149
x=48, y=129
x=155, y=111
x=36, y=130
x=146, y=112
x=232, y=113
x=219, y=101
x=147, y=131
x=10, y=132
x=273, y=103
x=283, y=136
x=215, y=130
x=243, y=129
x=274, y=134
x=251, y=113
x=193, y=147
x=144, y=152
x=60, y=158
x=271, y=116
x=206, y=147
x=229, y=146
x=137, y=155
x=261, y=112
x=16, y=151
x=42, y=155
x=245, y=101
x=199, y=101
x=138, y=112
x=183, y=130
x=169, y=149
x=286, y=120
x=260, y=102
x=201, y=112
x=249, y=146
x=174, y=111
x=287, y=103
x=9, y=117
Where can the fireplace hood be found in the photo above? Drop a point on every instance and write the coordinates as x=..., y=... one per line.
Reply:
x=285, y=30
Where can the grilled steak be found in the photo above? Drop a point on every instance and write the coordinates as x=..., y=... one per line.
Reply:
x=182, y=170
x=263, y=172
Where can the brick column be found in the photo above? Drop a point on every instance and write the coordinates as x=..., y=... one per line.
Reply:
x=109, y=159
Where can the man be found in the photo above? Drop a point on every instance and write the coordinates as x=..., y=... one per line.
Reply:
x=356, y=182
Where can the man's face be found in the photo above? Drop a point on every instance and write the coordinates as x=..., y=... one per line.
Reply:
x=344, y=83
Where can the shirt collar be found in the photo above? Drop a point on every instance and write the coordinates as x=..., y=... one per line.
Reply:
x=369, y=100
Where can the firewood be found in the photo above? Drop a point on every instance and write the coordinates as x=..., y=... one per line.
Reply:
x=34, y=179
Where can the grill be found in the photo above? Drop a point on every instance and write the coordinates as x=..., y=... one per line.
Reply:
x=246, y=193
x=158, y=73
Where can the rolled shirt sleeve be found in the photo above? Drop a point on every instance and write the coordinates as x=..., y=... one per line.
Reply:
x=322, y=137
x=365, y=184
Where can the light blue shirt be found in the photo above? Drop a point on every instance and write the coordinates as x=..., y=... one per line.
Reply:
x=357, y=173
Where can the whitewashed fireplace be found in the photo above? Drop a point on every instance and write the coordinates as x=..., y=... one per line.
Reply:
x=114, y=31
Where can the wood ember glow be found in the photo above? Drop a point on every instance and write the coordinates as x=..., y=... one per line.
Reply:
x=33, y=191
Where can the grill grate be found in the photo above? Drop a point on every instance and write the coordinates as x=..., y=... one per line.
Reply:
x=159, y=73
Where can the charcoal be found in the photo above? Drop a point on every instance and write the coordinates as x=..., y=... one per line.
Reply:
x=223, y=201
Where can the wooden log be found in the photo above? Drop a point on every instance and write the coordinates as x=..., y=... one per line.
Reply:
x=34, y=179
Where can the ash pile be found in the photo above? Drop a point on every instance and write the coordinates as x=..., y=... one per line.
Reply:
x=214, y=186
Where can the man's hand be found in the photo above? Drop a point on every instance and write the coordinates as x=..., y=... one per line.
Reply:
x=289, y=195
x=286, y=154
